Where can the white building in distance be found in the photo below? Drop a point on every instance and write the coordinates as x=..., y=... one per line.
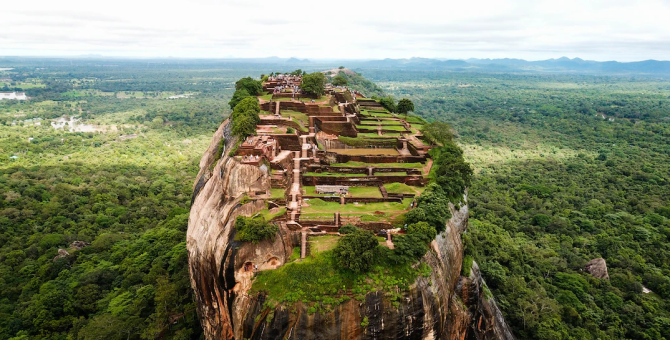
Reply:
x=13, y=95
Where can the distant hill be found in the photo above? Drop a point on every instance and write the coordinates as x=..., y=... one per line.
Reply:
x=564, y=64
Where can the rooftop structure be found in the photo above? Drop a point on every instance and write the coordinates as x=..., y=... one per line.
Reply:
x=13, y=95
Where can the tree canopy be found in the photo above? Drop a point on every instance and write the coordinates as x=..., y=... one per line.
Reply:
x=405, y=105
x=314, y=83
x=356, y=250
x=338, y=80
x=245, y=117
x=252, y=86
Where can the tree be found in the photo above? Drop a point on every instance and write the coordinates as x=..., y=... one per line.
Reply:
x=356, y=251
x=237, y=97
x=405, y=105
x=254, y=229
x=245, y=117
x=314, y=84
x=424, y=230
x=408, y=248
x=432, y=207
x=339, y=81
x=252, y=86
x=388, y=103
x=438, y=132
x=347, y=229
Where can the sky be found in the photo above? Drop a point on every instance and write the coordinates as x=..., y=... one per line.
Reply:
x=620, y=30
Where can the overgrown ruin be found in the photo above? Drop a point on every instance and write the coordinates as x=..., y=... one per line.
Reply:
x=314, y=165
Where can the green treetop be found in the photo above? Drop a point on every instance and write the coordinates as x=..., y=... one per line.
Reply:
x=314, y=83
x=405, y=105
x=339, y=81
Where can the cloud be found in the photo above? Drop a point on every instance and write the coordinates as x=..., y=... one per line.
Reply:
x=531, y=29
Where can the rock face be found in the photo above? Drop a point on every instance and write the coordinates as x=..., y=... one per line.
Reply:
x=61, y=254
x=442, y=306
x=597, y=268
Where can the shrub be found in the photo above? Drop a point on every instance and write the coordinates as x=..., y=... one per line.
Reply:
x=314, y=83
x=237, y=97
x=339, y=81
x=347, y=229
x=356, y=251
x=424, y=230
x=254, y=229
x=408, y=248
x=252, y=86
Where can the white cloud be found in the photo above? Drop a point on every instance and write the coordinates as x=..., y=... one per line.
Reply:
x=592, y=29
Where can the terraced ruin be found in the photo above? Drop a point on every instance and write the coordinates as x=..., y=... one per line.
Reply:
x=326, y=216
x=335, y=160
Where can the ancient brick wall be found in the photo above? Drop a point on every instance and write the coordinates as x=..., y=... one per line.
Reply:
x=289, y=141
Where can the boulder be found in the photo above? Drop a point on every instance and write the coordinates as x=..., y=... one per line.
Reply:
x=597, y=268
x=61, y=254
x=79, y=245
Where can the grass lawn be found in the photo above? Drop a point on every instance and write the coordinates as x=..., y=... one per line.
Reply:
x=277, y=193
x=322, y=243
x=329, y=217
x=365, y=192
x=381, y=165
x=331, y=174
x=266, y=97
x=320, y=280
x=382, y=122
x=390, y=173
x=402, y=188
x=414, y=119
x=316, y=205
x=394, y=128
x=371, y=152
x=375, y=135
x=268, y=216
x=294, y=114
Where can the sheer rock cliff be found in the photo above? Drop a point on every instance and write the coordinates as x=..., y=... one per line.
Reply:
x=441, y=306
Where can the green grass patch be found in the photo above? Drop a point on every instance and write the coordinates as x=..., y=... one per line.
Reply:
x=390, y=173
x=277, y=193
x=268, y=216
x=365, y=192
x=294, y=114
x=295, y=254
x=318, y=280
x=402, y=188
x=317, y=216
x=322, y=243
x=380, y=165
x=394, y=128
x=330, y=174
x=375, y=135
x=316, y=205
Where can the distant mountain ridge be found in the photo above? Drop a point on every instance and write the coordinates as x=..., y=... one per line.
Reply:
x=562, y=64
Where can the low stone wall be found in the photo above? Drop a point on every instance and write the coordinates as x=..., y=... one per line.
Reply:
x=412, y=149
x=374, y=226
x=288, y=142
x=336, y=128
x=339, y=158
x=351, y=200
x=365, y=181
x=278, y=122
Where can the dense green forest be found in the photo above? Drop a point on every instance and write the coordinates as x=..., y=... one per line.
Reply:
x=567, y=168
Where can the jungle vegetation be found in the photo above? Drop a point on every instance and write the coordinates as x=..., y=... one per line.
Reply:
x=567, y=168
